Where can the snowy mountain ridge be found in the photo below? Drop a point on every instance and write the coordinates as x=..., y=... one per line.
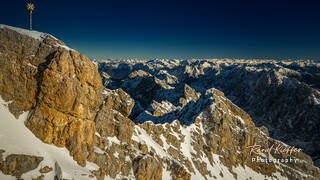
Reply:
x=280, y=95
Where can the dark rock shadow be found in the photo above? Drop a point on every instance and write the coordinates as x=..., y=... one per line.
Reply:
x=185, y=115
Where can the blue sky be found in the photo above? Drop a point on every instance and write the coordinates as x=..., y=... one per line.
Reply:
x=177, y=29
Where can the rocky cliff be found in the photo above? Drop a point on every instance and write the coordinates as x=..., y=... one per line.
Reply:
x=60, y=87
x=58, y=121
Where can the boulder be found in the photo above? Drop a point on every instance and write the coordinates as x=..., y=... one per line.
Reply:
x=18, y=164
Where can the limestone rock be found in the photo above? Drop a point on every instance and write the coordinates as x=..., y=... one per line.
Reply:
x=69, y=97
x=112, y=119
x=62, y=88
x=147, y=168
x=119, y=101
x=46, y=169
x=22, y=59
x=179, y=173
x=18, y=164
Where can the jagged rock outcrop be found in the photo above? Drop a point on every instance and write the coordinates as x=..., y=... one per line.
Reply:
x=219, y=137
x=112, y=119
x=18, y=164
x=61, y=87
x=22, y=59
x=68, y=100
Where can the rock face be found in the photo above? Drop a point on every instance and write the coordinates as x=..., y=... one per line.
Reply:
x=17, y=164
x=22, y=59
x=60, y=86
x=147, y=168
x=181, y=132
x=112, y=119
x=69, y=97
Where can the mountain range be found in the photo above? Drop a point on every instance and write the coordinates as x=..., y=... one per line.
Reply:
x=64, y=116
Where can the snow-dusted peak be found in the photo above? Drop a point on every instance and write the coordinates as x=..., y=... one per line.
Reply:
x=34, y=34
x=40, y=36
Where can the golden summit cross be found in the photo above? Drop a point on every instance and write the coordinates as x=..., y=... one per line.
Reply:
x=30, y=7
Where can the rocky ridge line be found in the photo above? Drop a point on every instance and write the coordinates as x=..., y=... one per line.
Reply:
x=282, y=96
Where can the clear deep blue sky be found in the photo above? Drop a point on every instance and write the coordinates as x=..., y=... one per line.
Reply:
x=177, y=29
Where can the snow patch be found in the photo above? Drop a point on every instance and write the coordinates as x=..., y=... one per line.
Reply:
x=35, y=35
x=116, y=155
x=15, y=138
x=33, y=66
x=98, y=150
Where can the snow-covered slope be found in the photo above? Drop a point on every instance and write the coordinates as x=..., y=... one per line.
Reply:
x=216, y=169
x=15, y=138
x=208, y=139
x=34, y=34
x=40, y=36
